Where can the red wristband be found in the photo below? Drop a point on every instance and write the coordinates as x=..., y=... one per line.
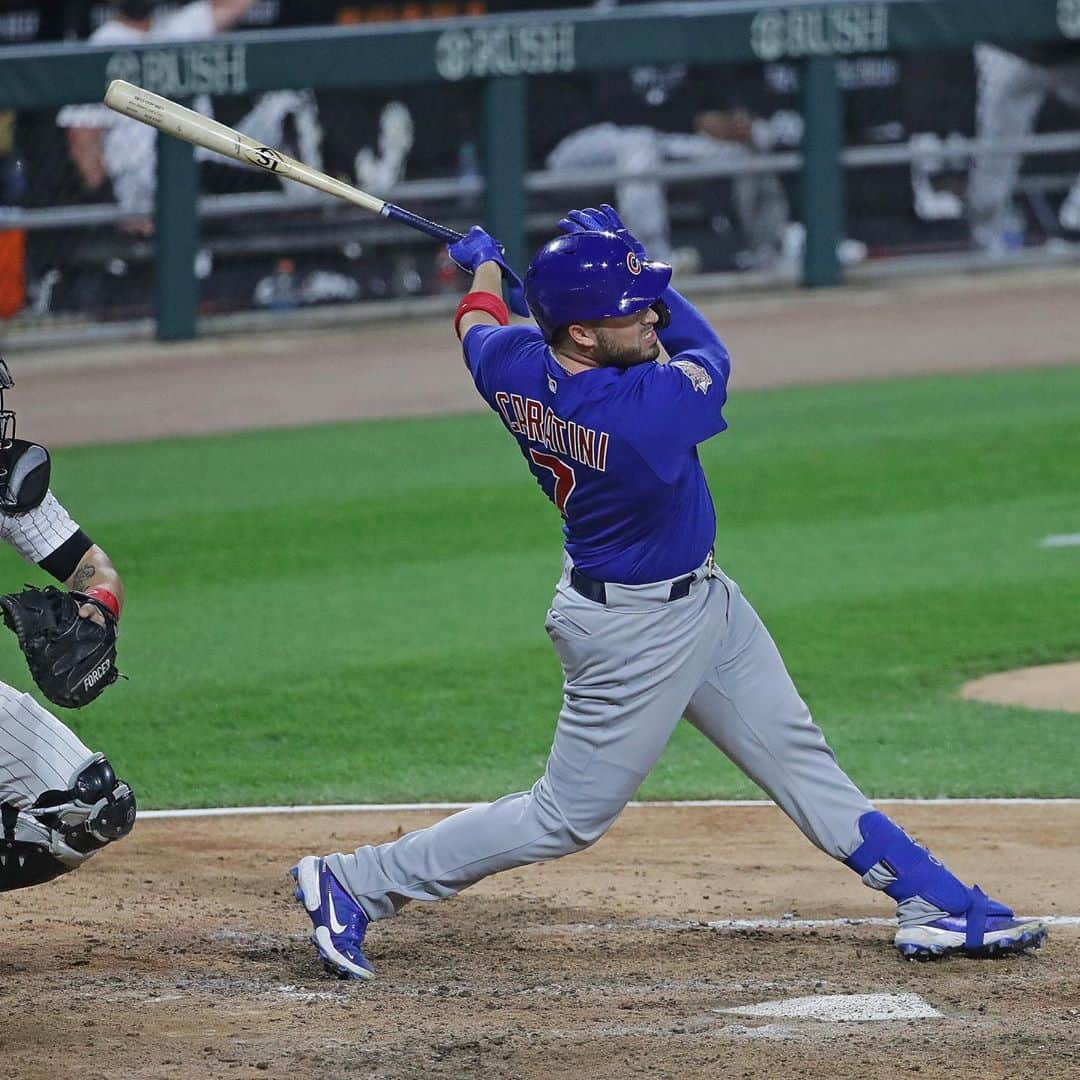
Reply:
x=106, y=598
x=481, y=301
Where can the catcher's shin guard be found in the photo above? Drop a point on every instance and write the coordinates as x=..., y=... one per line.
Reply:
x=27, y=854
x=62, y=829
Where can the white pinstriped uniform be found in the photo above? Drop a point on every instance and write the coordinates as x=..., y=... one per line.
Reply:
x=37, y=751
x=129, y=148
x=36, y=534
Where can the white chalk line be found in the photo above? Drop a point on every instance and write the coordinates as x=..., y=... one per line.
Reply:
x=1060, y=540
x=783, y=923
x=351, y=808
x=719, y=924
x=822, y=924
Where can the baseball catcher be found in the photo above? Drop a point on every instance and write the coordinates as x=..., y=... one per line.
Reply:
x=59, y=800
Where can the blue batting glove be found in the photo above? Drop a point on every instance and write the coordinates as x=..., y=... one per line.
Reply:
x=515, y=293
x=474, y=248
x=615, y=225
x=588, y=220
x=478, y=246
x=606, y=219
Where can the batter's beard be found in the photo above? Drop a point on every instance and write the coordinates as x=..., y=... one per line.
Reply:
x=609, y=354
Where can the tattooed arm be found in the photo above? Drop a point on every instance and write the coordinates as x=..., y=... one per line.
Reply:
x=96, y=572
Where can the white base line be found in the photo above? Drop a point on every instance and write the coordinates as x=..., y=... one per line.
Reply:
x=337, y=808
x=1060, y=540
x=817, y=924
x=720, y=924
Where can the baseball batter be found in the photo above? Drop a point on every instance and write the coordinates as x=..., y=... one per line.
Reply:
x=647, y=626
x=60, y=802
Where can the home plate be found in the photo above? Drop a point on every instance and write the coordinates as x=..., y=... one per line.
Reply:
x=843, y=1008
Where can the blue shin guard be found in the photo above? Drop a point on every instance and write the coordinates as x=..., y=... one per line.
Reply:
x=888, y=859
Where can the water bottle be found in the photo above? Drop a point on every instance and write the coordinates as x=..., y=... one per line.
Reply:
x=1012, y=229
x=283, y=295
x=468, y=168
x=13, y=180
x=468, y=161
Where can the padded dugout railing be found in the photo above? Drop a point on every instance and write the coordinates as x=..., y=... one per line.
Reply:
x=503, y=52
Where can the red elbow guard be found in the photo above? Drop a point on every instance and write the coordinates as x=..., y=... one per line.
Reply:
x=481, y=301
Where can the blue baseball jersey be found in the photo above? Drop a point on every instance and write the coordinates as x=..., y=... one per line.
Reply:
x=615, y=449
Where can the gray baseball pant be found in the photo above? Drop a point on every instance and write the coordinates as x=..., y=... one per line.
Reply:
x=633, y=667
x=636, y=153
x=1011, y=91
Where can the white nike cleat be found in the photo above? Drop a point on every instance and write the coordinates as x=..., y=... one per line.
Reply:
x=340, y=922
x=1001, y=935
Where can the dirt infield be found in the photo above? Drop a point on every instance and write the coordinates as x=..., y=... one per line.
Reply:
x=181, y=954
x=1050, y=686
x=290, y=377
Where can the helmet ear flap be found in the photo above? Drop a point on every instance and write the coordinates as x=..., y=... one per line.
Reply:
x=663, y=313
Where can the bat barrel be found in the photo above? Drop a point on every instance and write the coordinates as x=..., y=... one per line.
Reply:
x=184, y=123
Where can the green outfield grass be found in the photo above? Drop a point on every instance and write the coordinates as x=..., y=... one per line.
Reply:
x=354, y=613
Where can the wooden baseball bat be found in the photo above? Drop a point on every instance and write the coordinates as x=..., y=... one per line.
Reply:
x=193, y=127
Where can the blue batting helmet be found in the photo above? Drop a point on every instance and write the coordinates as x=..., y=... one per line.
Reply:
x=590, y=275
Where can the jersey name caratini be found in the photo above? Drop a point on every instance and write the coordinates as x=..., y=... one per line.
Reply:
x=615, y=449
x=538, y=423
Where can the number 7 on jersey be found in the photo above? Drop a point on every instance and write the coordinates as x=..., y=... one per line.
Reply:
x=565, y=480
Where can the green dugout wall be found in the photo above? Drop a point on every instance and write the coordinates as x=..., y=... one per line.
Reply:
x=504, y=52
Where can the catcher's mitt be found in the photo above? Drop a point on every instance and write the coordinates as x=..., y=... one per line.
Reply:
x=71, y=659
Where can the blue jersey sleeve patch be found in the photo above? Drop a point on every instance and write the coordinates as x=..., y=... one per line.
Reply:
x=699, y=378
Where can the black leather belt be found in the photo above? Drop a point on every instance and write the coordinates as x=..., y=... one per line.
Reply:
x=596, y=591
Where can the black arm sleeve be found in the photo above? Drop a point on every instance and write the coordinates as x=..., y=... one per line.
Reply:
x=62, y=562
